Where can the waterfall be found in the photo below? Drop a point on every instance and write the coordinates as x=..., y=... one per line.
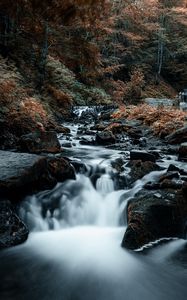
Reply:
x=78, y=203
x=105, y=184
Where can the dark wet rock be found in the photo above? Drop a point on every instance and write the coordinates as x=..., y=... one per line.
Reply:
x=183, y=152
x=62, y=129
x=152, y=186
x=38, y=142
x=79, y=166
x=98, y=127
x=120, y=182
x=170, y=150
x=105, y=116
x=86, y=141
x=94, y=178
x=105, y=138
x=140, y=169
x=178, y=137
x=172, y=168
x=169, y=175
x=135, y=133
x=66, y=144
x=118, y=164
x=142, y=155
x=23, y=173
x=8, y=140
x=12, y=230
x=143, y=142
x=116, y=128
x=156, y=215
x=157, y=153
x=88, y=116
x=171, y=184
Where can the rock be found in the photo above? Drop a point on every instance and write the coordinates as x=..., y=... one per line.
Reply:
x=23, y=174
x=151, y=217
x=86, y=141
x=118, y=164
x=62, y=129
x=105, y=116
x=178, y=137
x=142, y=155
x=105, y=138
x=7, y=139
x=98, y=127
x=12, y=230
x=38, y=142
x=79, y=166
x=183, y=152
x=88, y=116
x=135, y=133
x=140, y=169
x=143, y=142
x=116, y=128
x=171, y=184
x=66, y=144
x=172, y=168
x=152, y=186
x=169, y=175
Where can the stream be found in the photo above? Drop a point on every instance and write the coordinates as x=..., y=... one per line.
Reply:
x=74, y=249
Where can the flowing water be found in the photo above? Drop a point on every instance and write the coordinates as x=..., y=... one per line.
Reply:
x=74, y=252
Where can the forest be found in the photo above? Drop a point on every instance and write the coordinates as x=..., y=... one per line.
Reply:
x=93, y=149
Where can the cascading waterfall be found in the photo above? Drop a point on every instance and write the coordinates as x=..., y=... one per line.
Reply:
x=78, y=203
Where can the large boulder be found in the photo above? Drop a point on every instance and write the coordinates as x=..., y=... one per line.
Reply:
x=142, y=155
x=155, y=215
x=105, y=138
x=178, y=137
x=23, y=173
x=12, y=230
x=40, y=141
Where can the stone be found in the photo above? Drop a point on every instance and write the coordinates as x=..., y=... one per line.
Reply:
x=142, y=155
x=169, y=175
x=151, y=218
x=139, y=169
x=178, y=137
x=38, y=142
x=105, y=138
x=12, y=230
x=86, y=141
x=23, y=173
x=183, y=152
x=172, y=168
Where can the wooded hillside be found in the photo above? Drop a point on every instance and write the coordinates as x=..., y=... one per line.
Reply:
x=55, y=54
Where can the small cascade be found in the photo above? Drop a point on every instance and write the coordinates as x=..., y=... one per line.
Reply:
x=74, y=203
x=78, y=203
x=105, y=184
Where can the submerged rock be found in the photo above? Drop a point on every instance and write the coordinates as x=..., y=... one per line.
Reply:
x=40, y=141
x=23, y=174
x=159, y=214
x=12, y=230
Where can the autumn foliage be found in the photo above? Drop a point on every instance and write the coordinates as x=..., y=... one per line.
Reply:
x=161, y=119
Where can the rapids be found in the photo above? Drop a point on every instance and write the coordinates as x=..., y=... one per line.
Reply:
x=73, y=251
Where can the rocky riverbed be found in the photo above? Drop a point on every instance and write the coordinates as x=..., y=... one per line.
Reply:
x=129, y=150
